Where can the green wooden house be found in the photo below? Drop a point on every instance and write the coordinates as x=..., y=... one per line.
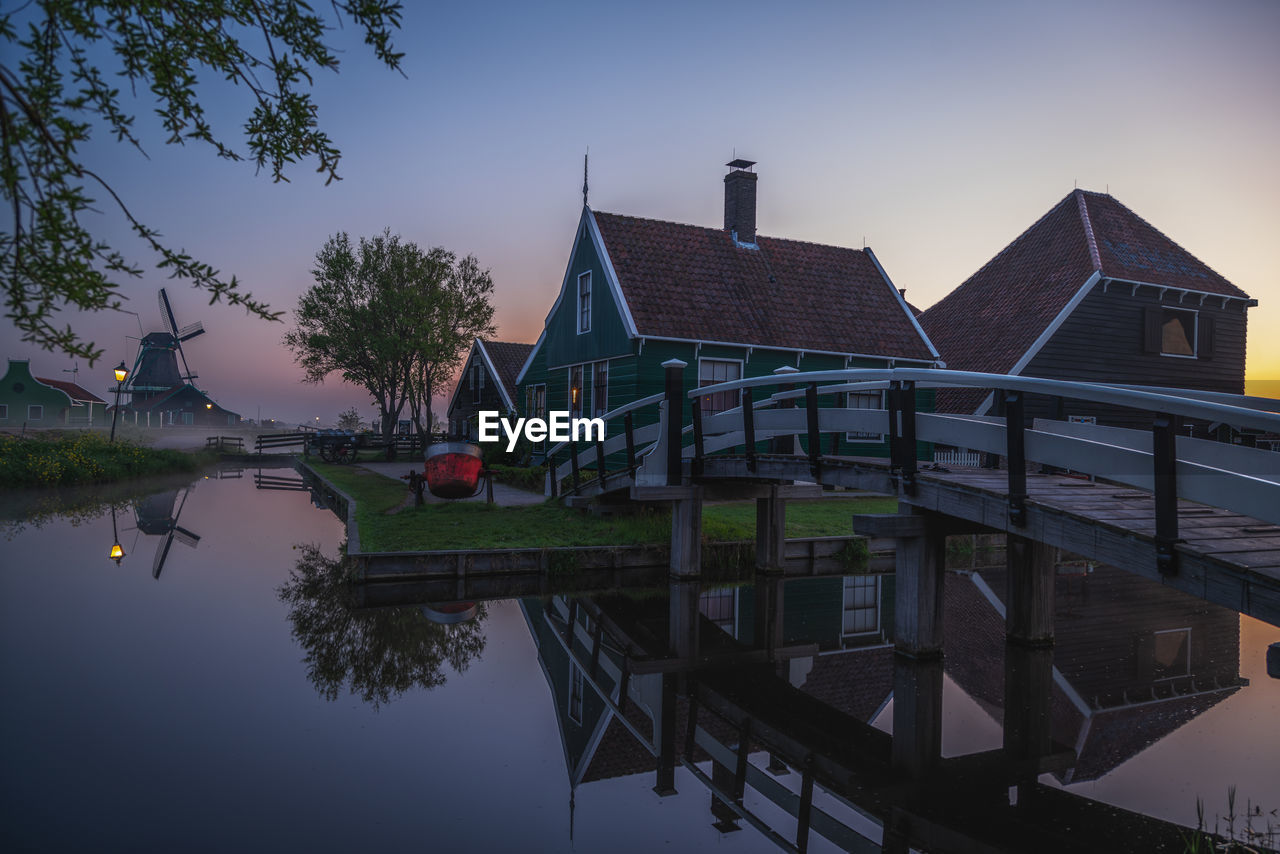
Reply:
x=728, y=302
x=31, y=401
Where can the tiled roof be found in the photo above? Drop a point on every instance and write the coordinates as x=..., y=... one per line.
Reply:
x=684, y=281
x=993, y=318
x=75, y=392
x=508, y=358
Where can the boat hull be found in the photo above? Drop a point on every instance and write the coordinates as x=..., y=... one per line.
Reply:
x=453, y=469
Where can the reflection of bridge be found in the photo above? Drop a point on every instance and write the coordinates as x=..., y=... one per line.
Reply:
x=1201, y=516
x=651, y=684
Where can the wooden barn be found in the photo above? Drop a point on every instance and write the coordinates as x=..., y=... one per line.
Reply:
x=729, y=302
x=1092, y=292
x=487, y=382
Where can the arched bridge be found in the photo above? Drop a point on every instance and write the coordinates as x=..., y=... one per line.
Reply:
x=1202, y=515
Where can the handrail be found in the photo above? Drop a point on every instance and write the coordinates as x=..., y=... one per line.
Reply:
x=929, y=378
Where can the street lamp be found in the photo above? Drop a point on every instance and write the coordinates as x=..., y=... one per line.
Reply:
x=117, y=551
x=121, y=373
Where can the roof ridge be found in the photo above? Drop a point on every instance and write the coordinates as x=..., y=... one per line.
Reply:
x=1088, y=230
x=722, y=231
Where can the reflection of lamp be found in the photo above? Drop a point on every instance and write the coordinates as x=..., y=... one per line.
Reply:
x=117, y=551
x=121, y=373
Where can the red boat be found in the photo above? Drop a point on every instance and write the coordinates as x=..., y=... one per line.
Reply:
x=453, y=469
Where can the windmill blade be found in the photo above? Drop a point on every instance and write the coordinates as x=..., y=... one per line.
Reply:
x=186, y=537
x=186, y=375
x=166, y=314
x=190, y=331
x=162, y=554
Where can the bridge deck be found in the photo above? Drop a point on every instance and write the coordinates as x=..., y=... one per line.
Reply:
x=1225, y=558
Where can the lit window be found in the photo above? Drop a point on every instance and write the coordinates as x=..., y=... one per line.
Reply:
x=575, y=391
x=864, y=400
x=600, y=389
x=713, y=371
x=584, y=302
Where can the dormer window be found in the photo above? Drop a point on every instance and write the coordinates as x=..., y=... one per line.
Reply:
x=584, y=302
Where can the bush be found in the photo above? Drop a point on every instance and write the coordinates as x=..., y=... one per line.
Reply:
x=532, y=478
x=79, y=458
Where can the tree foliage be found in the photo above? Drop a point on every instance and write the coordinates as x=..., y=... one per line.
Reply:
x=375, y=654
x=350, y=419
x=71, y=56
x=384, y=315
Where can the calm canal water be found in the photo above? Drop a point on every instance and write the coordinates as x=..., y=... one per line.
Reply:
x=214, y=692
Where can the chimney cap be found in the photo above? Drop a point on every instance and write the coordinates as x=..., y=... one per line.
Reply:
x=739, y=163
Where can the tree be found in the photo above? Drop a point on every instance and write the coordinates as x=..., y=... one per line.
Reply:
x=350, y=420
x=382, y=310
x=67, y=53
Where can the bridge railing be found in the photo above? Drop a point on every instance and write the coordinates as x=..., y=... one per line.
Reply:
x=635, y=441
x=1240, y=479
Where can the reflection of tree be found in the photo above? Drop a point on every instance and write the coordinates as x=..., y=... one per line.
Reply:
x=377, y=654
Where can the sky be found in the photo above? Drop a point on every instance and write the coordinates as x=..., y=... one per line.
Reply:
x=933, y=132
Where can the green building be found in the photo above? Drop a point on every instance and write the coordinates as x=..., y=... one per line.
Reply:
x=31, y=401
x=728, y=302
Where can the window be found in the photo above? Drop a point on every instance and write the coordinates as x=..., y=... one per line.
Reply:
x=535, y=406
x=600, y=389
x=584, y=302
x=4, y=410
x=1176, y=332
x=477, y=382
x=864, y=400
x=1172, y=653
x=712, y=371
x=575, y=692
x=718, y=606
x=575, y=391
x=35, y=412
x=861, y=606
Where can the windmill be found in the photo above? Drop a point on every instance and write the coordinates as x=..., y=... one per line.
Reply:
x=155, y=371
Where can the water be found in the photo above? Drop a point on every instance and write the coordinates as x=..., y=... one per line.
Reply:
x=193, y=711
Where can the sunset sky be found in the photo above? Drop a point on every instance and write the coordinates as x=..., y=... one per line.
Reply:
x=935, y=132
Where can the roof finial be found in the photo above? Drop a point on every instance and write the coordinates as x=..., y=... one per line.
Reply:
x=584, y=176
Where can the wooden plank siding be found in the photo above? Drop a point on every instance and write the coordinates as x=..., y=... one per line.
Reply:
x=1102, y=341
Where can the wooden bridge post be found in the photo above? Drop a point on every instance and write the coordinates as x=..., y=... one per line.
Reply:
x=917, y=623
x=1015, y=452
x=917, y=716
x=674, y=388
x=749, y=429
x=686, y=533
x=811, y=423
x=771, y=528
x=1164, y=449
x=1031, y=572
x=1028, y=686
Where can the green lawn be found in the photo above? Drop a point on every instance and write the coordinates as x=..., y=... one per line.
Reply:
x=472, y=525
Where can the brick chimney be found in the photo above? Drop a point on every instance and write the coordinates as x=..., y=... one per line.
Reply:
x=740, y=200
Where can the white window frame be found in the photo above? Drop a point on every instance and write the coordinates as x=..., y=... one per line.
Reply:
x=721, y=595
x=849, y=584
x=477, y=381
x=4, y=411
x=575, y=411
x=1195, y=332
x=584, y=303
x=535, y=405
x=577, y=686
x=864, y=437
x=741, y=371
x=599, y=407
x=35, y=412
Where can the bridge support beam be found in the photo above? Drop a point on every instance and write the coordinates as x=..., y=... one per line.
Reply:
x=686, y=533
x=1031, y=572
x=771, y=531
x=917, y=623
x=1028, y=685
x=917, y=715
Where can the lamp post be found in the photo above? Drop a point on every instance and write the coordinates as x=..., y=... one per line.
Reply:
x=121, y=373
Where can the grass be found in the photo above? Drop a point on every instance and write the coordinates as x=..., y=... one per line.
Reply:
x=83, y=457
x=474, y=525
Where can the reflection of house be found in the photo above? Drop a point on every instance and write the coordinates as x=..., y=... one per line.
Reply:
x=1133, y=660
x=42, y=402
x=728, y=302
x=487, y=382
x=1092, y=292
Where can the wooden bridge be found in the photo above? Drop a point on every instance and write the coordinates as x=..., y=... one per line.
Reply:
x=1202, y=516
